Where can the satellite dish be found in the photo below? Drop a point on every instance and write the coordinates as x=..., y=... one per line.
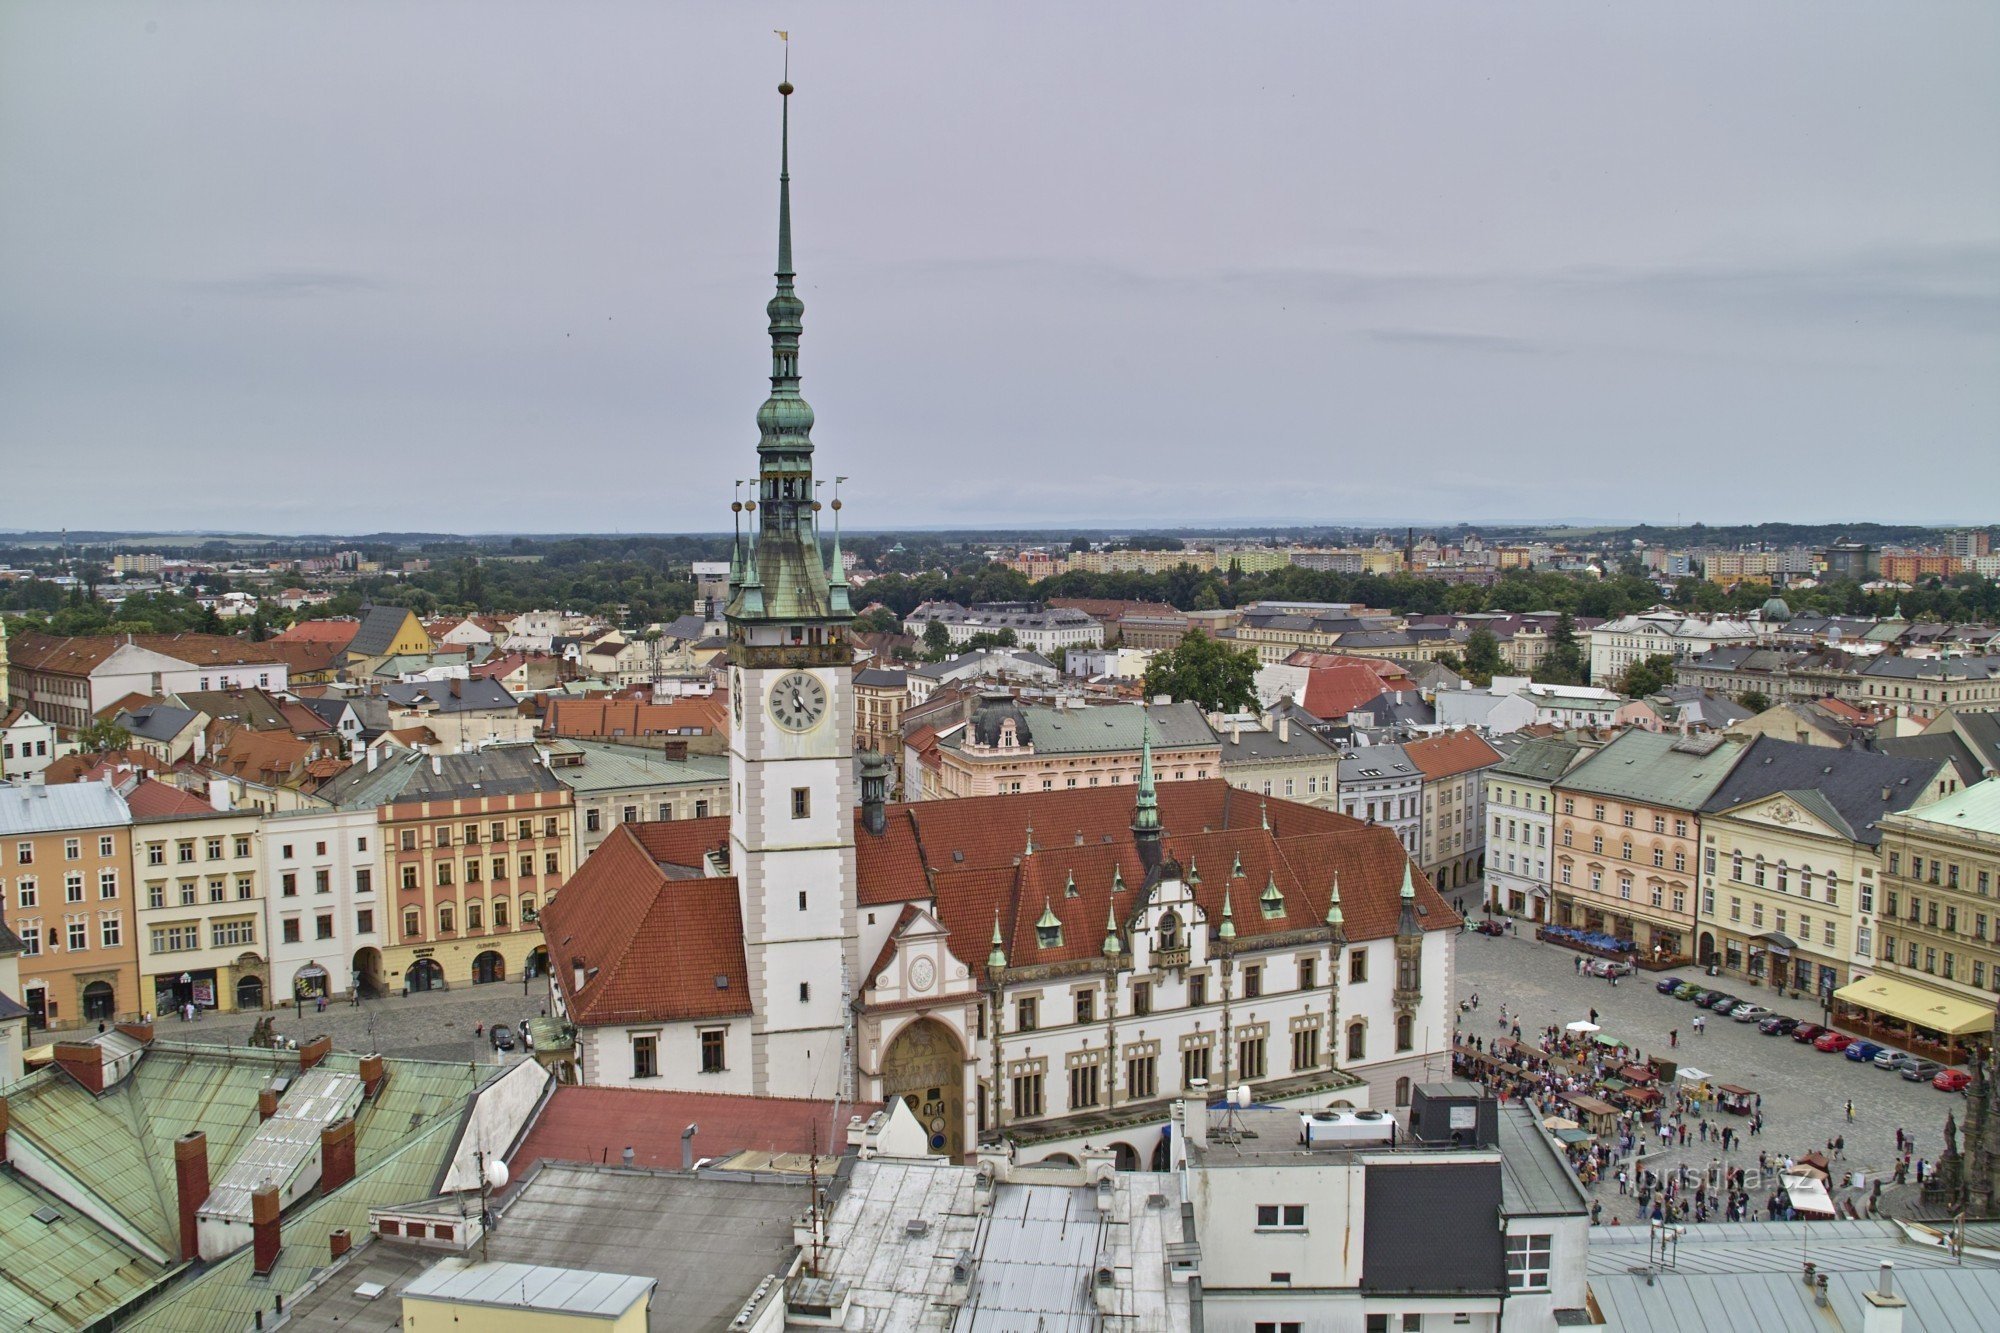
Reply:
x=1243, y=1095
x=496, y=1174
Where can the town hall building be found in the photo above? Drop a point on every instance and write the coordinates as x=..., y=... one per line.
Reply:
x=1043, y=968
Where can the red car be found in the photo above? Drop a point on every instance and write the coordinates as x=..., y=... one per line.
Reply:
x=1807, y=1032
x=1951, y=1080
x=1490, y=927
x=1832, y=1041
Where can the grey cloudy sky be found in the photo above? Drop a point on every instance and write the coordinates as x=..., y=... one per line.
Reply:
x=498, y=266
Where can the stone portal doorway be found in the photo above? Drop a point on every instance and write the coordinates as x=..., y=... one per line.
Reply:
x=925, y=1066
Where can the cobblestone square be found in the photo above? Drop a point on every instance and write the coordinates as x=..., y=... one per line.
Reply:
x=1805, y=1091
x=435, y=1025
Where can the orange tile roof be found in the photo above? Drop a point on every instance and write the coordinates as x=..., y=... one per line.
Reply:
x=663, y=949
x=1335, y=691
x=339, y=633
x=1453, y=753
x=695, y=715
x=1387, y=669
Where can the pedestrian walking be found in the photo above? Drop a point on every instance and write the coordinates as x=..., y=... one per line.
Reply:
x=1674, y=1037
x=1850, y=1111
x=1699, y=1024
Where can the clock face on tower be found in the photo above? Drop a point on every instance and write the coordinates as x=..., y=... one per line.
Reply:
x=798, y=701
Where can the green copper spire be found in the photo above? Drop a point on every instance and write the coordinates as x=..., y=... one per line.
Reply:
x=1334, y=916
x=997, y=958
x=1148, y=816
x=1228, y=931
x=1406, y=922
x=1112, y=947
x=784, y=577
x=1409, y=885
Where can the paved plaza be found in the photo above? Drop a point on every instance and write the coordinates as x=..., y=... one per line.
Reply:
x=1805, y=1091
x=434, y=1025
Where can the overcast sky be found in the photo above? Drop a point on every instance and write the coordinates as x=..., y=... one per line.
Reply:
x=502, y=267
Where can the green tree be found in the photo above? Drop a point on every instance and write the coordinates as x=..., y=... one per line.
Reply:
x=101, y=735
x=1648, y=676
x=1754, y=700
x=1204, y=671
x=877, y=620
x=1482, y=661
x=1564, y=663
x=937, y=640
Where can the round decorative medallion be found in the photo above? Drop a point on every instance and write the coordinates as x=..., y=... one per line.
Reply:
x=922, y=974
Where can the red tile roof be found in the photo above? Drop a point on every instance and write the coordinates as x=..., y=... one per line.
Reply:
x=81, y=654
x=1387, y=669
x=1334, y=692
x=157, y=800
x=100, y=767
x=696, y=715
x=969, y=857
x=662, y=949
x=1453, y=753
x=589, y=1124
x=307, y=655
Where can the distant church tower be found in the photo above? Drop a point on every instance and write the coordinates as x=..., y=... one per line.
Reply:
x=791, y=760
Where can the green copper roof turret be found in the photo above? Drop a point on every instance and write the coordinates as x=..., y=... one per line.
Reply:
x=1148, y=816
x=1334, y=917
x=997, y=958
x=1112, y=947
x=1228, y=931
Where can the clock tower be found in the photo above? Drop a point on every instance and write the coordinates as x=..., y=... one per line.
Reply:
x=791, y=748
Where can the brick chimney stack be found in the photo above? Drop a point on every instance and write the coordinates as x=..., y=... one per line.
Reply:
x=139, y=1032
x=373, y=1075
x=191, y=1187
x=264, y=1242
x=6, y=1123
x=314, y=1051
x=336, y=1155
x=83, y=1062
x=338, y=1242
x=267, y=1102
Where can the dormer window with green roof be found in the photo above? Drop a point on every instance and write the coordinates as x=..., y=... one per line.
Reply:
x=1272, y=901
x=1069, y=885
x=1048, y=930
x=1236, y=870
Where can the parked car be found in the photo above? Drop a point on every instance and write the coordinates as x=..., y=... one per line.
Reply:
x=1698, y=996
x=1862, y=1050
x=1922, y=1071
x=1609, y=967
x=1687, y=990
x=1777, y=1025
x=1668, y=985
x=1749, y=1013
x=1831, y=1041
x=1895, y=1060
x=1490, y=926
x=1721, y=1003
x=1951, y=1080
x=1807, y=1032
x=502, y=1037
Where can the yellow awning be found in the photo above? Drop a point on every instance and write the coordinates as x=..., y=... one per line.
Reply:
x=1920, y=1006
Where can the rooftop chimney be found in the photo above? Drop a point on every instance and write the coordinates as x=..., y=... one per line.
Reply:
x=315, y=1051
x=372, y=1076
x=6, y=1122
x=139, y=1032
x=1883, y=1312
x=191, y=1187
x=264, y=1242
x=267, y=1102
x=687, y=1147
x=338, y=1242
x=336, y=1155
x=83, y=1062
x=1194, y=1114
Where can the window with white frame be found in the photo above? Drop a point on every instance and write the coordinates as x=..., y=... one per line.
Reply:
x=1527, y=1263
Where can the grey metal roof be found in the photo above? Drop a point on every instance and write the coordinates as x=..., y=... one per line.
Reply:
x=1035, y=1265
x=491, y=770
x=1113, y=728
x=1535, y=1178
x=1537, y=759
x=532, y=1287
x=1935, y=668
x=609, y=767
x=1657, y=769
x=1377, y=763
x=479, y=694
x=155, y=722
x=67, y=805
x=1250, y=747
x=379, y=625
x=1843, y=787
x=880, y=677
x=1944, y=747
